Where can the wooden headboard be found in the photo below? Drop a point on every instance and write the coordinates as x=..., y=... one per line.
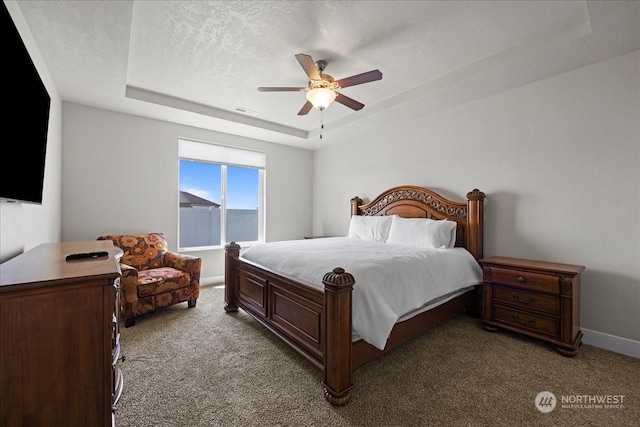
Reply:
x=410, y=201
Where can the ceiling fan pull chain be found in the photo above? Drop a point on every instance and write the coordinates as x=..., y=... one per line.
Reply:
x=321, y=122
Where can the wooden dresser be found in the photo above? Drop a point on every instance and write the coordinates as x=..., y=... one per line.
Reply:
x=539, y=299
x=59, y=337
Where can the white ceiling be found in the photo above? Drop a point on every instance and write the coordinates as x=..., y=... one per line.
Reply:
x=195, y=62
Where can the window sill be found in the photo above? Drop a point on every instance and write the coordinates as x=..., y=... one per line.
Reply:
x=243, y=245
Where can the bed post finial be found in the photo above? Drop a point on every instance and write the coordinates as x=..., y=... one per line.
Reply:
x=232, y=252
x=475, y=194
x=338, y=285
x=355, y=204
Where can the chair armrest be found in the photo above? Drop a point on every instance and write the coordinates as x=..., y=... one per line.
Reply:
x=188, y=263
x=129, y=283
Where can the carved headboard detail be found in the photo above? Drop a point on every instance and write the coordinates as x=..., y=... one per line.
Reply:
x=411, y=201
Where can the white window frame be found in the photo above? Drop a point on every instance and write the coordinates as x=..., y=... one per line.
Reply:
x=224, y=156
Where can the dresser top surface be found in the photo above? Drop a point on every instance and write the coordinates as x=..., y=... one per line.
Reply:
x=47, y=262
x=500, y=261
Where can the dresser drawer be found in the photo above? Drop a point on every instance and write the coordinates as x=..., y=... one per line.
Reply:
x=525, y=320
x=530, y=300
x=526, y=280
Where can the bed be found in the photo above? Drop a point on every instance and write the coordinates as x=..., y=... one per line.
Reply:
x=315, y=315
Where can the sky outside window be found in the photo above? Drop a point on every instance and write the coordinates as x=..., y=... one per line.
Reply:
x=242, y=188
x=203, y=180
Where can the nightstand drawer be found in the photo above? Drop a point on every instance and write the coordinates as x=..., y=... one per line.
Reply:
x=526, y=280
x=524, y=299
x=526, y=320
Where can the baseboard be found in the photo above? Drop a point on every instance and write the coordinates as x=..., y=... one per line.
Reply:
x=212, y=280
x=611, y=342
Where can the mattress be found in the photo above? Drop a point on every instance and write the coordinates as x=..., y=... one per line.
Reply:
x=393, y=282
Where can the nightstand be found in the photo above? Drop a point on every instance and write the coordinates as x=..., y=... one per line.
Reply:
x=535, y=298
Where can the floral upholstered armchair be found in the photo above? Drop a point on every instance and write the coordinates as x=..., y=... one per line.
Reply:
x=152, y=277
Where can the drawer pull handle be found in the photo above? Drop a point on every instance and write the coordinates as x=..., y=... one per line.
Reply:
x=521, y=279
x=524, y=322
x=523, y=301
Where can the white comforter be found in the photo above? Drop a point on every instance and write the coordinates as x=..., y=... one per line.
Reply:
x=391, y=280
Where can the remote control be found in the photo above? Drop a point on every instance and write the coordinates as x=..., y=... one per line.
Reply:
x=87, y=255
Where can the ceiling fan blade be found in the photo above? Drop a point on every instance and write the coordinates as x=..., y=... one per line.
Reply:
x=359, y=79
x=305, y=108
x=346, y=101
x=309, y=66
x=281, y=89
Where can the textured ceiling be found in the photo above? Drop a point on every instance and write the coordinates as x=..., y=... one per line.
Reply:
x=196, y=62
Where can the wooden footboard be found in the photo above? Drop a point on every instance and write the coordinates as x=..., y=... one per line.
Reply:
x=299, y=315
x=318, y=323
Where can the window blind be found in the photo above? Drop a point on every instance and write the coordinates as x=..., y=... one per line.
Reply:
x=215, y=153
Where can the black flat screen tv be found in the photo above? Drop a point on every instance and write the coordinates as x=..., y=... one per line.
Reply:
x=25, y=121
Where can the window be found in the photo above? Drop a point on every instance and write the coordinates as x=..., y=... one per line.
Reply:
x=221, y=195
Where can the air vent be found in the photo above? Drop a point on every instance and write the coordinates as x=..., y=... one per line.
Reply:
x=246, y=111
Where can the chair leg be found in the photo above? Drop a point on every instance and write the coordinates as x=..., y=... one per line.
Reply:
x=129, y=322
x=191, y=303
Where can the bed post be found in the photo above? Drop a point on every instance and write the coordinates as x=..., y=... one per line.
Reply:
x=355, y=204
x=475, y=219
x=337, y=344
x=475, y=216
x=232, y=252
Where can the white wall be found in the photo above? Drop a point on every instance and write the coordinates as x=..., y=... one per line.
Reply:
x=558, y=159
x=120, y=175
x=22, y=225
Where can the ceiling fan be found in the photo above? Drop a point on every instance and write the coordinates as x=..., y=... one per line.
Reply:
x=322, y=88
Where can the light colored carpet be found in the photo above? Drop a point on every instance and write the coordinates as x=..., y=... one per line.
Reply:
x=204, y=367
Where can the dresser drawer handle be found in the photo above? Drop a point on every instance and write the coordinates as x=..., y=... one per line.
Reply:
x=523, y=301
x=521, y=279
x=524, y=322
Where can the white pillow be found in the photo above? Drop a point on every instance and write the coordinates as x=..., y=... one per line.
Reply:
x=452, y=238
x=422, y=232
x=365, y=227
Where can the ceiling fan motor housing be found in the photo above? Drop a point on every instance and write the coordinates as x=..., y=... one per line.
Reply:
x=327, y=82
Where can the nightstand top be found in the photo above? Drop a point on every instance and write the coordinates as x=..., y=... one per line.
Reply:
x=532, y=264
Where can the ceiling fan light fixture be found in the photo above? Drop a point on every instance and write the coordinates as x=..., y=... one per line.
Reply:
x=321, y=97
